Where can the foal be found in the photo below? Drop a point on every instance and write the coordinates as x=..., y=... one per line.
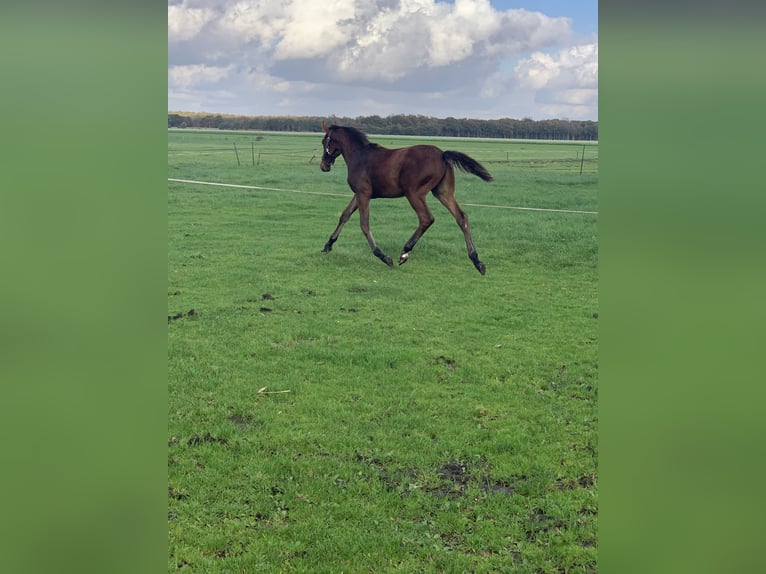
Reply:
x=375, y=171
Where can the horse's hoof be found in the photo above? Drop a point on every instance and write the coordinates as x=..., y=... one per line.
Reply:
x=327, y=248
x=403, y=258
x=387, y=260
x=481, y=267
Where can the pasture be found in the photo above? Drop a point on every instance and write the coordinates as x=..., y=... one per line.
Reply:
x=330, y=414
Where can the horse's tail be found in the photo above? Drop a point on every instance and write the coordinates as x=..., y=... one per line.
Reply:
x=467, y=164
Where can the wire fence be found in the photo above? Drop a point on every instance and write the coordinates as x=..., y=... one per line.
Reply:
x=345, y=196
x=578, y=157
x=250, y=149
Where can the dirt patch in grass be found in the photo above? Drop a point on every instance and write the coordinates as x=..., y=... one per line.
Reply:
x=242, y=421
x=189, y=313
x=586, y=481
x=173, y=493
x=540, y=522
x=454, y=478
x=207, y=437
x=392, y=478
x=450, y=364
x=505, y=486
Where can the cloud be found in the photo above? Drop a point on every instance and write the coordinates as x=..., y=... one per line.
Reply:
x=185, y=22
x=196, y=74
x=563, y=81
x=439, y=51
x=577, y=63
x=382, y=40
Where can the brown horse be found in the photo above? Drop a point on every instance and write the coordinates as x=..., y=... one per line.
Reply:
x=375, y=171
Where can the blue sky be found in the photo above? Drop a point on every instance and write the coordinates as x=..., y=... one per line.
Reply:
x=464, y=58
x=584, y=14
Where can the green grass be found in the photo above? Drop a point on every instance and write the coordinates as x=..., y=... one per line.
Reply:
x=329, y=414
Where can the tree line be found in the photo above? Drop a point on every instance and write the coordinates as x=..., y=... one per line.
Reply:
x=400, y=124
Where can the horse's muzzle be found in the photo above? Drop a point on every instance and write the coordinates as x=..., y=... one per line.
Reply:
x=326, y=163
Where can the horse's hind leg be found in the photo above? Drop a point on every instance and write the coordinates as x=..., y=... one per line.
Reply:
x=425, y=219
x=445, y=192
x=344, y=217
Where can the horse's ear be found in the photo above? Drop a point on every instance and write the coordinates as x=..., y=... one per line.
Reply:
x=325, y=127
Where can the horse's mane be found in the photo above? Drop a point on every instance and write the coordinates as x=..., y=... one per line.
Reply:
x=356, y=136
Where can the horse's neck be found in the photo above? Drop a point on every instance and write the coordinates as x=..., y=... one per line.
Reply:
x=350, y=152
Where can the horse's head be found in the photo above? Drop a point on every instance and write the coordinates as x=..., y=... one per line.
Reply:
x=330, y=149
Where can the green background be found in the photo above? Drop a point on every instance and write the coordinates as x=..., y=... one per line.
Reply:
x=682, y=272
x=82, y=294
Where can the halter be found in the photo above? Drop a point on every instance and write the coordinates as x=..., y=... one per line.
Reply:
x=329, y=154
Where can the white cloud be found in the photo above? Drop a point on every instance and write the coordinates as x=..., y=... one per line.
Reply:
x=577, y=64
x=184, y=23
x=537, y=70
x=370, y=39
x=310, y=33
x=565, y=83
x=394, y=50
x=196, y=74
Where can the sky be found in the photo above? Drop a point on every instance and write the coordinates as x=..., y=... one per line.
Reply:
x=483, y=59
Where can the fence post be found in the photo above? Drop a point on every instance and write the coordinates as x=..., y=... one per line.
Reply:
x=252, y=151
x=236, y=153
x=582, y=158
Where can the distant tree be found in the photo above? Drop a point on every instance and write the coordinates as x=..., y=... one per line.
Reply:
x=525, y=128
x=175, y=120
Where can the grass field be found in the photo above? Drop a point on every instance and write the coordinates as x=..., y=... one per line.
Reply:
x=330, y=414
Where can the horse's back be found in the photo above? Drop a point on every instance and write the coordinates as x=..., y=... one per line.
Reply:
x=424, y=152
x=398, y=172
x=422, y=165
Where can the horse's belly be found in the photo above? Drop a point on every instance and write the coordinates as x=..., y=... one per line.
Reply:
x=387, y=192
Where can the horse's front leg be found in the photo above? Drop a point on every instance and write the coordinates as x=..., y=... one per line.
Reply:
x=364, y=221
x=344, y=217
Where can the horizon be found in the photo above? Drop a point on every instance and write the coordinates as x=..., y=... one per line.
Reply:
x=227, y=114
